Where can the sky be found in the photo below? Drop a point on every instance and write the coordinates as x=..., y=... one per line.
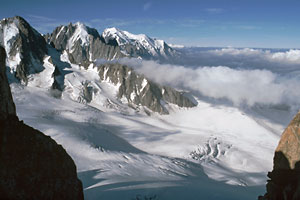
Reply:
x=205, y=23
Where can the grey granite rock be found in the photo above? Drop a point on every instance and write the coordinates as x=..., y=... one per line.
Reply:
x=138, y=90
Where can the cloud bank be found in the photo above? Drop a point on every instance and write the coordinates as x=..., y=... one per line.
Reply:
x=291, y=56
x=274, y=60
x=241, y=86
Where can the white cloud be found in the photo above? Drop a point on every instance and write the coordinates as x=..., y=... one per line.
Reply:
x=241, y=86
x=234, y=51
x=291, y=56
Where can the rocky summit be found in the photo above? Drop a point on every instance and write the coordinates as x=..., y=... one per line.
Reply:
x=32, y=165
x=284, y=183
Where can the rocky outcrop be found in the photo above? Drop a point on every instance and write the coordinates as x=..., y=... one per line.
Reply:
x=284, y=183
x=138, y=90
x=83, y=44
x=32, y=165
x=25, y=47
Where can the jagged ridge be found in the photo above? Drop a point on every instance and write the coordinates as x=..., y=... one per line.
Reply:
x=140, y=91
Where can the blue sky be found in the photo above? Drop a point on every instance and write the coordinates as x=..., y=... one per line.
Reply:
x=237, y=23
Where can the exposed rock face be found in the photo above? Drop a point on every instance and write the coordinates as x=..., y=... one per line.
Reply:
x=139, y=91
x=32, y=165
x=83, y=44
x=25, y=47
x=284, y=183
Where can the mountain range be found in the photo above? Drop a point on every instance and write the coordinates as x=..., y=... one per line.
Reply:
x=51, y=60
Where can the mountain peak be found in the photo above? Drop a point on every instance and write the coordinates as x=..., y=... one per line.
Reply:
x=24, y=46
x=80, y=24
x=80, y=33
x=123, y=37
x=82, y=44
x=138, y=45
x=111, y=30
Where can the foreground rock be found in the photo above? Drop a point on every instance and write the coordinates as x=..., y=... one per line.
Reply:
x=284, y=183
x=32, y=165
x=7, y=106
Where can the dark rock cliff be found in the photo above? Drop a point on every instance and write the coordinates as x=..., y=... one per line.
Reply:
x=284, y=183
x=32, y=165
x=7, y=106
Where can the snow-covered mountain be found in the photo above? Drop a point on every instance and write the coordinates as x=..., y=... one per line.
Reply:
x=139, y=45
x=38, y=64
x=25, y=47
x=83, y=44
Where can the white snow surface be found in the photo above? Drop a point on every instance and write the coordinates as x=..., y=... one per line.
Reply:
x=79, y=34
